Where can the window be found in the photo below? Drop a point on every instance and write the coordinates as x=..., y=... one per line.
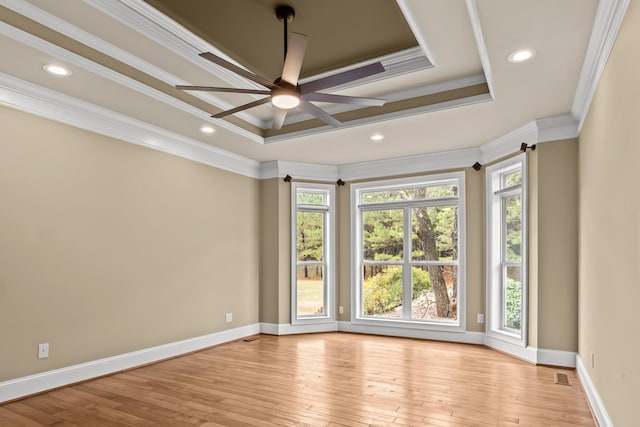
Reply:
x=312, y=292
x=408, y=241
x=506, y=250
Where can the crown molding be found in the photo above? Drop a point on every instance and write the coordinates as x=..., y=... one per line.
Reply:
x=407, y=165
x=146, y=20
x=151, y=23
x=609, y=17
x=415, y=29
x=395, y=64
x=140, y=16
x=63, y=27
x=509, y=143
x=107, y=73
x=472, y=8
x=557, y=128
x=403, y=95
x=299, y=170
x=382, y=117
x=52, y=105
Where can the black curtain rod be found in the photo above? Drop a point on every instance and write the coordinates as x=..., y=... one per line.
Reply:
x=288, y=178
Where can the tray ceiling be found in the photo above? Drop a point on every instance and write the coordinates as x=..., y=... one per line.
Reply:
x=448, y=84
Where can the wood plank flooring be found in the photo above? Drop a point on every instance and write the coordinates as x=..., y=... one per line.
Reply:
x=332, y=379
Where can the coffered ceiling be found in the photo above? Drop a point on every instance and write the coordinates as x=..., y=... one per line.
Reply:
x=447, y=83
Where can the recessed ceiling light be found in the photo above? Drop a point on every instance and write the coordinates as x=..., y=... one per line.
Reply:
x=56, y=69
x=376, y=137
x=207, y=129
x=521, y=55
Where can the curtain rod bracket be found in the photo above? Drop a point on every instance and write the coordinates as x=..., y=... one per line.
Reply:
x=524, y=146
x=477, y=166
x=287, y=178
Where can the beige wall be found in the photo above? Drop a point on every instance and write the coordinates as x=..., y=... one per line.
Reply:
x=476, y=244
x=269, y=241
x=107, y=247
x=553, y=243
x=343, y=249
x=533, y=248
x=275, y=251
x=609, y=275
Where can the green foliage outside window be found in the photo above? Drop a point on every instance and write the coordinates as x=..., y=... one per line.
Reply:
x=513, y=304
x=433, y=234
x=383, y=291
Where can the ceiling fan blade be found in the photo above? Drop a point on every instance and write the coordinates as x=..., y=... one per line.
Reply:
x=224, y=89
x=340, y=99
x=319, y=113
x=293, y=61
x=239, y=71
x=278, y=119
x=342, y=78
x=242, y=107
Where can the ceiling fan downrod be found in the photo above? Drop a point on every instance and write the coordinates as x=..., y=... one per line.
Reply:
x=285, y=14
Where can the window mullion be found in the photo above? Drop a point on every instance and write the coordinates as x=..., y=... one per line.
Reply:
x=406, y=268
x=449, y=201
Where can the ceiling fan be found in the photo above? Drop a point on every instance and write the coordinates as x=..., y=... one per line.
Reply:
x=285, y=93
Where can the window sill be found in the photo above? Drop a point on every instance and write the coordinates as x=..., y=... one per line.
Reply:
x=410, y=324
x=312, y=320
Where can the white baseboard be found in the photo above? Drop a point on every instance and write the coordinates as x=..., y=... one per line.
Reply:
x=530, y=354
x=288, y=329
x=24, y=386
x=461, y=337
x=596, y=403
x=557, y=358
x=32, y=384
x=535, y=355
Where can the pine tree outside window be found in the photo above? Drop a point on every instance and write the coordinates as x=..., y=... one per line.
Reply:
x=312, y=290
x=408, y=236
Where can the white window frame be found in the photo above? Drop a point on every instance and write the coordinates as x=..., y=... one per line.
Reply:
x=357, y=261
x=495, y=250
x=328, y=247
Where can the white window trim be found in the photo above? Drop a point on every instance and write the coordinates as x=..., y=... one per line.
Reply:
x=329, y=254
x=356, y=258
x=493, y=251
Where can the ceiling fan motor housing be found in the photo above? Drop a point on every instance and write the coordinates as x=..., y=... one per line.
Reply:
x=285, y=12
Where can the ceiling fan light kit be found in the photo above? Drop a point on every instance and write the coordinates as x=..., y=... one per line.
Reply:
x=285, y=93
x=285, y=98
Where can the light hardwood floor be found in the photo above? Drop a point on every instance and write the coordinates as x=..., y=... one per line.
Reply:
x=319, y=380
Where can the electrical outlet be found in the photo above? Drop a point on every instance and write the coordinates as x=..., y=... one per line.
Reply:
x=229, y=317
x=480, y=318
x=43, y=351
x=341, y=310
